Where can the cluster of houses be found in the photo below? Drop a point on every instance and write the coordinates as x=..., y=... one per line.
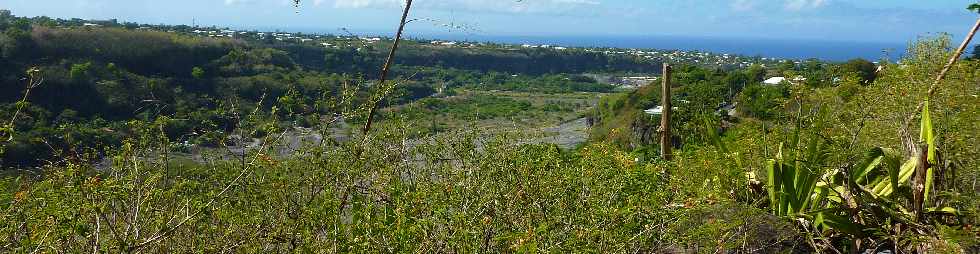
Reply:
x=531, y=46
x=700, y=58
x=457, y=44
x=218, y=33
x=634, y=82
x=279, y=36
x=444, y=43
x=324, y=41
x=694, y=57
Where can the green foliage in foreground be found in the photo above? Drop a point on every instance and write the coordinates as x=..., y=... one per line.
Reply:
x=838, y=161
x=442, y=195
x=468, y=192
x=875, y=196
x=850, y=171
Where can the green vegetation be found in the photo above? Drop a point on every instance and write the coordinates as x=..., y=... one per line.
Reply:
x=442, y=195
x=246, y=146
x=494, y=111
x=698, y=95
x=542, y=84
x=862, y=68
x=836, y=153
x=96, y=79
x=762, y=101
x=533, y=61
x=197, y=73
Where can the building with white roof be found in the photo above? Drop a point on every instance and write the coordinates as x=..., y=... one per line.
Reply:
x=658, y=110
x=775, y=81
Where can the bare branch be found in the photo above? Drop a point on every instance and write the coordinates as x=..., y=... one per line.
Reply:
x=939, y=78
x=387, y=66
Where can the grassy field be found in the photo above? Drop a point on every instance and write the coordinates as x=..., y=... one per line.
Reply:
x=491, y=111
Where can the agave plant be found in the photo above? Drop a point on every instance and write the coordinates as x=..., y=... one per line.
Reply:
x=793, y=185
x=857, y=199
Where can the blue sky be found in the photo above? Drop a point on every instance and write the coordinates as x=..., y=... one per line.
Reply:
x=850, y=20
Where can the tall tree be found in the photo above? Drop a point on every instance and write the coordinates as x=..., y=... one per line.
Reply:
x=5, y=18
x=16, y=42
x=757, y=73
x=863, y=68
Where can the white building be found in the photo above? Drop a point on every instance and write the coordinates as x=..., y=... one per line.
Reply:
x=775, y=81
x=659, y=110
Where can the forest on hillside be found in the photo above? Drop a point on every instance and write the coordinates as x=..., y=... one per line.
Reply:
x=97, y=79
x=115, y=138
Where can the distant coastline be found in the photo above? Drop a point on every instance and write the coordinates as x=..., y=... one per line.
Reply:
x=797, y=49
x=784, y=49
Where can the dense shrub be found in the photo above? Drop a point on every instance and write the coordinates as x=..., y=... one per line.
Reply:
x=444, y=195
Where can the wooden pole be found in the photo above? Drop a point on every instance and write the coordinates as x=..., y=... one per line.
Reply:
x=665, y=144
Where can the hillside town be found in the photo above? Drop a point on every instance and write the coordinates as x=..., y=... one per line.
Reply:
x=358, y=42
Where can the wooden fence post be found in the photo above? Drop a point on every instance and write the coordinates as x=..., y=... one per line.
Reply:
x=665, y=144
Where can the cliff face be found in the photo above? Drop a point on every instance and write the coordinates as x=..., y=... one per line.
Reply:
x=619, y=119
x=643, y=131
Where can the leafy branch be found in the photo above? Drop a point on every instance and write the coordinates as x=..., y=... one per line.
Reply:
x=34, y=79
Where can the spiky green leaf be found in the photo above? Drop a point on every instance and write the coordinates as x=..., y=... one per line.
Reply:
x=944, y=210
x=839, y=223
x=928, y=186
x=926, y=133
x=871, y=161
x=773, y=185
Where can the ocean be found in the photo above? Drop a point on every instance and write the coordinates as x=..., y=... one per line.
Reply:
x=773, y=48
